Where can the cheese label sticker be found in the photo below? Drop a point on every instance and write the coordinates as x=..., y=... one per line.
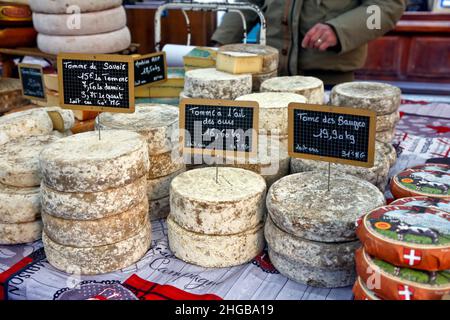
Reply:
x=425, y=182
x=436, y=203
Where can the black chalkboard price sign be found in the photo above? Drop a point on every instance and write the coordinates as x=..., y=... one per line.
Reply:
x=150, y=69
x=96, y=82
x=218, y=127
x=31, y=77
x=332, y=134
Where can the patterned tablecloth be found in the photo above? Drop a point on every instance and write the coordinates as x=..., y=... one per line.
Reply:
x=423, y=133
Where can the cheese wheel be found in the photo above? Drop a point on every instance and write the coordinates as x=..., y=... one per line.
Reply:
x=157, y=123
x=387, y=122
x=259, y=78
x=33, y=122
x=214, y=251
x=83, y=163
x=159, y=208
x=17, y=37
x=379, y=97
x=62, y=6
x=63, y=119
x=164, y=164
x=94, y=205
x=98, y=260
x=423, y=201
x=212, y=84
x=270, y=55
x=389, y=150
x=100, y=232
x=411, y=237
x=18, y=233
x=109, y=42
x=395, y=283
x=160, y=187
x=436, y=167
x=82, y=24
x=232, y=204
x=385, y=136
x=309, y=87
x=19, y=161
x=18, y=205
x=273, y=110
x=416, y=182
x=301, y=204
x=361, y=292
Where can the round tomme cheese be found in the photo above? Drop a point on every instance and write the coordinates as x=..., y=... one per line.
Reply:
x=213, y=84
x=389, y=150
x=416, y=182
x=18, y=205
x=19, y=161
x=93, y=205
x=385, y=136
x=214, y=251
x=82, y=24
x=270, y=55
x=259, y=78
x=380, y=97
x=72, y=6
x=99, y=232
x=109, y=42
x=98, y=260
x=164, y=164
x=83, y=163
x=17, y=233
x=160, y=187
x=301, y=204
x=158, y=123
x=232, y=204
x=63, y=119
x=361, y=292
x=387, y=122
x=160, y=208
x=273, y=110
x=309, y=87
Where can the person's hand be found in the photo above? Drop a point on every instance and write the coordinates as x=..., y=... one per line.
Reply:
x=320, y=37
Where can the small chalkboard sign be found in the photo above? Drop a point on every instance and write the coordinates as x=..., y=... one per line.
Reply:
x=150, y=69
x=332, y=134
x=96, y=82
x=31, y=77
x=219, y=127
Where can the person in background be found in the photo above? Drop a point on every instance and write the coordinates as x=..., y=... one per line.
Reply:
x=322, y=38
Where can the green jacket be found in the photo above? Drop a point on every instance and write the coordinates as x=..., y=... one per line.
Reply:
x=289, y=20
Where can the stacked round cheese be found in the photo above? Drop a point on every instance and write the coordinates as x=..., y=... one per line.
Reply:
x=217, y=221
x=310, y=230
x=158, y=124
x=309, y=87
x=382, y=98
x=94, y=201
x=83, y=26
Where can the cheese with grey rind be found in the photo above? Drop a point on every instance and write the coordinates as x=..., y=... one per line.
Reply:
x=19, y=161
x=98, y=260
x=83, y=163
x=164, y=164
x=210, y=83
x=259, y=78
x=309, y=87
x=63, y=119
x=99, y=232
x=18, y=233
x=270, y=55
x=159, y=209
x=379, y=97
x=385, y=136
x=61, y=6
x=390, y=152
x=214, y=251
x=18, y=205
x=160, y=187
x=388, y=121
x=232, y=204
x=301, y=204
x=273, y=110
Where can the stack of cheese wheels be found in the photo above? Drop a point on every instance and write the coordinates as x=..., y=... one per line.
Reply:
x=309, y=87
x=158, y=124
x=310, y=231
x=405, y=250
x=80, y=26
x=94, y=201
x=270, y=58
x=382, y=98
x=385, y=157
x=217, y=222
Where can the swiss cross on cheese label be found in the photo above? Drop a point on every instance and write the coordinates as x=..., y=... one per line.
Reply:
x=405, y=292
x=412, y=257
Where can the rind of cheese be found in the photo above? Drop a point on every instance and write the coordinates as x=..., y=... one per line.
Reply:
x=309, y=87
x=98, y=260
x=19, y=161
x=390, y=152
x=100, y=232
x=385, y=136
x=259, y=78
x=232, y=204
x=157, y=123
x=19, y=205
x=388, y=121
x=93, y=205
x=164, y=164
x=83, y=163
x=301, y=204
x=270, y=55
x=160, y=187
x=159, y=209
x=379, y=97
x=239, y=62
x=51, y=81
x=273, y=110
x=213, y=84
x=63, y=119
x=61, y=6
x=214, y=251
x=18, y=233
x=109, y=42
x=84, y=24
